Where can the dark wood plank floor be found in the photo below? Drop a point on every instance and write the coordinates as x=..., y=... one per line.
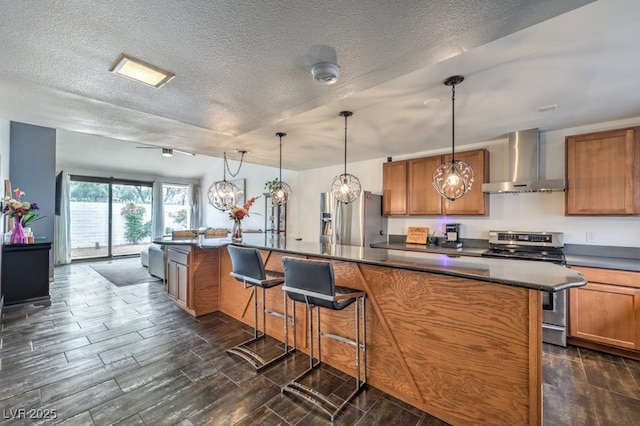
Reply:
x=103, y=354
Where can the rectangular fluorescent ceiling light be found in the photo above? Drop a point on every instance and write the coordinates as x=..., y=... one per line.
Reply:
x=141, y=71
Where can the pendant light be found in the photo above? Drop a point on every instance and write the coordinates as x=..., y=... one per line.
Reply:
x=453, y=178
x=280, y=193
x=345, y=188
x=224, y=194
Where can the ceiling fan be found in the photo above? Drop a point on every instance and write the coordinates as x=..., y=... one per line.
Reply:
x=166, y=152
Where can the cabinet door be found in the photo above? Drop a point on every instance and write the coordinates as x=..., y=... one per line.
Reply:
x=172, y=279
x=474, y=202
x=182, y=275
x=607, y=314
x=394, y=188
x=423, y=199
x=602, y=169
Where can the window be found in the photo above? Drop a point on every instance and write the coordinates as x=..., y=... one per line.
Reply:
x=109, y=217
x=175, y=201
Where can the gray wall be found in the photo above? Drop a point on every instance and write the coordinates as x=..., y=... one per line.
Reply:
x=32, y=168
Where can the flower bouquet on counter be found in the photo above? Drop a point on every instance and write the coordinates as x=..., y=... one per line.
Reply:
x=23, y=212
x=237, y=213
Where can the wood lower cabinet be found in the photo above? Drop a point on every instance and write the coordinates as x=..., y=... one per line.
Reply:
x=407, y=187
x=603, y=173
x=606, y=311
x=178, y=277
x=193, y=278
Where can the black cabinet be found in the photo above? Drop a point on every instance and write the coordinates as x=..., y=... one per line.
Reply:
x=25, y=273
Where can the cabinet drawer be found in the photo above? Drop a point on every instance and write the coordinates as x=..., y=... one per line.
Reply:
x=179, y=256
x=610, y=276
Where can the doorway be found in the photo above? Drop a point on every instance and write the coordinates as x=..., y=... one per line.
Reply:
x=109, y=217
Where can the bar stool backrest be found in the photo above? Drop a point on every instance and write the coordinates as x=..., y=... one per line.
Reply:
x=246, y=262
x=310, y=275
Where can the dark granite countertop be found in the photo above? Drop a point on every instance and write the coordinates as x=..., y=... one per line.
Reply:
x=423, y=248
x=531, y=275
x=608, y=257
x=604, y=262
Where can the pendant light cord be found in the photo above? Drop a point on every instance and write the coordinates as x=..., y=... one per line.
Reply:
x=345, y=114
x=280, y=135
x=453, y=123
x=280, y=177
x=226, y=165
x=345, y=144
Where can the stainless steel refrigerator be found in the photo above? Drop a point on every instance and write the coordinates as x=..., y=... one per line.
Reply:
x=359, y=223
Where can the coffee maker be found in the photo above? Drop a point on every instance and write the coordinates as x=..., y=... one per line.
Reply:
x=452, y=236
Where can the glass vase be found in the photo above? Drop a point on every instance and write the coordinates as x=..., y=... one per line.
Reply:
x=236, y=231
x=18, y=235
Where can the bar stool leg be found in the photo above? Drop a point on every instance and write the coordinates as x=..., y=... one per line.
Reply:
x=359, y=343
x=250, y=355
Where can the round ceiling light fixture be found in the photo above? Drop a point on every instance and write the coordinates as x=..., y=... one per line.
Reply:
x=325, y=73
x=224, y=194
x=346, y=187
x=281, y=192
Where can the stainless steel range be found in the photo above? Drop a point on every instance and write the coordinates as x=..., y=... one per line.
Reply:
x=542, y=247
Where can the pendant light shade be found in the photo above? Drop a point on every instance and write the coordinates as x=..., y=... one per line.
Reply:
x=453, y=178
x=224, y=194
x=345, y=187
x=281, y=192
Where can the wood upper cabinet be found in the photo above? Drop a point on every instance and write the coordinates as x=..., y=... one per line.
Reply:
x=422, y=196
x=607, y=310
x=474, y=202
x=603, y=173
x=407, y=187
x=394, y=188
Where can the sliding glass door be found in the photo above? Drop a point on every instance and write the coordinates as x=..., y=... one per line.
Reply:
x=109, y=217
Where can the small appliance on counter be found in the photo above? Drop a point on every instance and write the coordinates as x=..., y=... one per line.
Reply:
x=452, y=236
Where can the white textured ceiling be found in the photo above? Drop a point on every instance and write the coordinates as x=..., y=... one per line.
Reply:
x=243, y=73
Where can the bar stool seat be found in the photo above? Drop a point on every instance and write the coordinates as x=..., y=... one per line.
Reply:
x=248, y=268
x=312, y=282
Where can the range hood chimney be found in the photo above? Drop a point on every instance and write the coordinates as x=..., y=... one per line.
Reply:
x=524, y=155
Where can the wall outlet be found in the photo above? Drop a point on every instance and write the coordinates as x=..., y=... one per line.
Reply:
x=590, y=237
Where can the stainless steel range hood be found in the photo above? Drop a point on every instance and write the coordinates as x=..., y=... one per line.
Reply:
x=524, y=155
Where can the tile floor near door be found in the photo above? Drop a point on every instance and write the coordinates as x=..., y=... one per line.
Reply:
x=103, y=354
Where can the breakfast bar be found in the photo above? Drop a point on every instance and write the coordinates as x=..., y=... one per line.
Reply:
x=457, y=337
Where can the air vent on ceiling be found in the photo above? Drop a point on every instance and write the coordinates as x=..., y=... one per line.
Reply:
x=548, y=108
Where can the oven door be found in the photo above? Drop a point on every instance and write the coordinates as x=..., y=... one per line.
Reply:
x=554, y=308
x=548, y=301
x=554, y=318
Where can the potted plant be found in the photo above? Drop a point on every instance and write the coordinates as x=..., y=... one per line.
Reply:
x=271, y=185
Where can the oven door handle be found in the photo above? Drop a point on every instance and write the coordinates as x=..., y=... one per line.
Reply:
x=553, y=327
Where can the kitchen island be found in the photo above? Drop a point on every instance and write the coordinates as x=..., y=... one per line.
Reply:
x=458, y=337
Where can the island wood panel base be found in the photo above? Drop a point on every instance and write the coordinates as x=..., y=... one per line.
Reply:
x=465, y=351
x=205, y=270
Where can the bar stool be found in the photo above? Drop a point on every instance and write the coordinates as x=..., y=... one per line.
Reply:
x=248, y=268
x=313, y=283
